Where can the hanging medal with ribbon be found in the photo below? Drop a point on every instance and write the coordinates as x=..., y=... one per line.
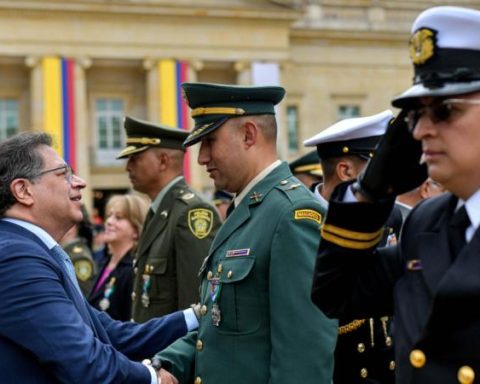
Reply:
x=107, y=293
x=215, y=288
x=145, y=288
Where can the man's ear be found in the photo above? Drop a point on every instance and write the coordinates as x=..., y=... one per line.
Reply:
x=344, y=170
x=250, y=133
x=22, y=191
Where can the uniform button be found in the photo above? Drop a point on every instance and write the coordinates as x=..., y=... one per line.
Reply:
x=209, y=275
x=203, y=310
x=198, y=380
x=391, y=366
x=417, y=358
x=230, y=274
x=466, y=375
x=199, y=345
x=364, y=373
x=388, y=341
x=220, y=268
x=132, y=320
x=134, y=295
x=151, y=268
x=135, y=270
x=284, y=182
x=361, y=347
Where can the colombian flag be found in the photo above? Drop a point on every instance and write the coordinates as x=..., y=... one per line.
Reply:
x=59, y=106
x=173, y=109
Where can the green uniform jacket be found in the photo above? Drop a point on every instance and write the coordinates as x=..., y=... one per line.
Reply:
x=270, y=331
x=170, y=252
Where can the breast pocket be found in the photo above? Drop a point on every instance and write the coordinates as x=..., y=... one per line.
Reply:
x=239, y=299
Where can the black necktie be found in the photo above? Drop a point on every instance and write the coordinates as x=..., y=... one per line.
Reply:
x=148, y=218
x=457, y=225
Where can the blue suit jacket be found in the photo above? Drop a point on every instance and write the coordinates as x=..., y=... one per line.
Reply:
x=49, y=333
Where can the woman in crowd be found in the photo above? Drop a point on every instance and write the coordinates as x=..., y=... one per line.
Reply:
x=124, y=217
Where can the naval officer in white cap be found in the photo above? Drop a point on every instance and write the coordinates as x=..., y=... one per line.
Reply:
x=430, y=279
x=344, y=149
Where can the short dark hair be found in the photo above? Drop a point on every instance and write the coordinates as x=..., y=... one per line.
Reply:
x=19, y=158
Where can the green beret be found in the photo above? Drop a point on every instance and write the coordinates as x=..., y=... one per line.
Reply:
x=213, y=104
x=142, y=135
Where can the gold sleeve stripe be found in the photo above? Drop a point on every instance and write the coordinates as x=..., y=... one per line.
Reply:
x=352, y=244
x=365, y=236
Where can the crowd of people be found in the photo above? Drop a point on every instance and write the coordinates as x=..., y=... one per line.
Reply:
x=363, y=269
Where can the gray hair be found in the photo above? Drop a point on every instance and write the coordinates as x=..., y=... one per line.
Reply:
x=19, y=158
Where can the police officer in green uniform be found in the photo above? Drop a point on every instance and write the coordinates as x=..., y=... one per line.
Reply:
x=257, y=322
x=179, y=227
x=364, y=351
x=77, y=247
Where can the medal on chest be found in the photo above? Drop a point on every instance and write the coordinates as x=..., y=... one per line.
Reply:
x=107, y=293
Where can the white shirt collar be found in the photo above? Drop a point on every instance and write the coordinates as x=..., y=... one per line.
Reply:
x=255, y=180
x=36, y=230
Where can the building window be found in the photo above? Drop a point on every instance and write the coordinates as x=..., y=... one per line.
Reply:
x=109, y=114
x=8, y=118
x=348, y=111
x=292, y=126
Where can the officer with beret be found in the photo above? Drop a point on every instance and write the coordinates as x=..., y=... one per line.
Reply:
x=258, y=324
x=307, y=169
x=429, y=280
x=179, y=227
x=364, y=351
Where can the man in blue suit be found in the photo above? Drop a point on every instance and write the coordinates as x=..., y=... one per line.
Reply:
x=48, y=332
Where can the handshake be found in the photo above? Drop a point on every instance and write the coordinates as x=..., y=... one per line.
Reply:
x=395, y=168
x=163, y=376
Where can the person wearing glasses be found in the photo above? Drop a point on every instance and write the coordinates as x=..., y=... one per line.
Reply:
x=48, y=331
x=430, y=279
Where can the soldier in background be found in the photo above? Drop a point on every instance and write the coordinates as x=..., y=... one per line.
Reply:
x=308, y=170
x=222, y=200
x=406, y=201
x=179, y=226
x=364, y=351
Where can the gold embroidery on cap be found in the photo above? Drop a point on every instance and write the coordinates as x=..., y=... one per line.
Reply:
x=422, y=46
x=200, y=111
x=143, y=141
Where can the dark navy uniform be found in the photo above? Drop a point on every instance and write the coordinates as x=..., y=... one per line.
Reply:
x=364, y=350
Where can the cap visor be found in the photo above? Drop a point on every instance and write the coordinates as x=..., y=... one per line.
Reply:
x=198, y=133
x=130, y=151
x=410, y=96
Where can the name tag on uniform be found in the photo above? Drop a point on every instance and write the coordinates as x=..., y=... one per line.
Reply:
x=238, y=252
x=414, y=265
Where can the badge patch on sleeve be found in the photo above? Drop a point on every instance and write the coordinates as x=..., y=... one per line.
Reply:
x=83, y=270
x=200, y=222
x=308, y=214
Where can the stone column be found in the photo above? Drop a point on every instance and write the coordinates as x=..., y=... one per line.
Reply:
x=36, y=93
x=152, y=97
x=84, y=134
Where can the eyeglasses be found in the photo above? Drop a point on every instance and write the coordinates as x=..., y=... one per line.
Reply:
x=67, y=172
x=438, y=112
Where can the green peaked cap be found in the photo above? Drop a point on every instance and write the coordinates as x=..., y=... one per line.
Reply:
x=213, y=104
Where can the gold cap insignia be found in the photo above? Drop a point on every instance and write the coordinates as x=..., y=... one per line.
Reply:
x=422, y=46
x=200, y=222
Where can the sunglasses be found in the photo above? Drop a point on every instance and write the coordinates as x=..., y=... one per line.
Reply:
x=438, y=112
